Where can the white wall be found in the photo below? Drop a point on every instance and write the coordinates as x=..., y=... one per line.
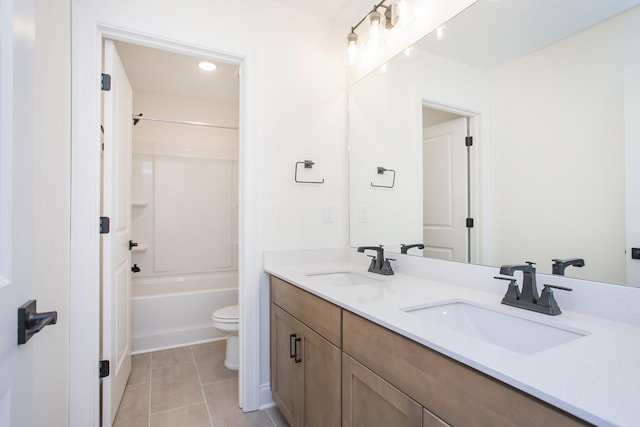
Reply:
x=574, y=161
x=51, y=212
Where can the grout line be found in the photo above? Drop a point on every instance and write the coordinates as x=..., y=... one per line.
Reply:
x=206, y=404
x=150, y=372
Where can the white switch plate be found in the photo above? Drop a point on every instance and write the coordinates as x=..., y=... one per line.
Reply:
x=329, y=213
x=363, y=214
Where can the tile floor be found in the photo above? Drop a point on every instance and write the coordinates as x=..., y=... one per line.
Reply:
x=187, y=387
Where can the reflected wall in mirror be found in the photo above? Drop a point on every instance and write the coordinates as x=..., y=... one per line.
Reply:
x=550, y=91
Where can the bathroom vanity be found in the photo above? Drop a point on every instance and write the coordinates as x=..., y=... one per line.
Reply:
x=385, y=380
x=352, y=349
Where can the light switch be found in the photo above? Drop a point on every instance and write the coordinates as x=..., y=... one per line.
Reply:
x=363, y=214
x=329, y=213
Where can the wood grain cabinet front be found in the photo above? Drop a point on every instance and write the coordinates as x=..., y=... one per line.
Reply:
x=305, y=367
x=449, y=390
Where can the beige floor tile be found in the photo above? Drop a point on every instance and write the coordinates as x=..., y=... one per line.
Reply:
x=174, y=387
x=189, y=416
x=172, y=357
x=209, y=359
x=134, y=408
x=140, y=369
x=222, y=400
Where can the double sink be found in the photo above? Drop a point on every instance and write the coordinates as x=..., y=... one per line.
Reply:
x=515, y=333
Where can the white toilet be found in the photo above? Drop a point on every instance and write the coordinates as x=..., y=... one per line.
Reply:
x=226, y=320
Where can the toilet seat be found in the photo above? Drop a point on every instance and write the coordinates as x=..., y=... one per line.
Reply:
x=226, y=314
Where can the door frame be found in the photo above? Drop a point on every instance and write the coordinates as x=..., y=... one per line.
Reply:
x=86, y=66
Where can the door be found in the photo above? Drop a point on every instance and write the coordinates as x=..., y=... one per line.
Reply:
x=632, y=154
x=321, y=382
x=284, y=375
x=370, y=401
x=445, y=192
x=116, y=259
x=29, y=224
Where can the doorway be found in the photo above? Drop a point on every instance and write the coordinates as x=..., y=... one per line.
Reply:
x=177, y=186
x=448, y=175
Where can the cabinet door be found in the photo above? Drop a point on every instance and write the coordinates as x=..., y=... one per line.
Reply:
x=370, y=401
x=320, y=380
x=284, y=373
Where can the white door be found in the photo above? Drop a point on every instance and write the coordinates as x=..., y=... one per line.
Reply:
x=116, y=259
x=632, y=154
x=25, y=233
x=444, y=160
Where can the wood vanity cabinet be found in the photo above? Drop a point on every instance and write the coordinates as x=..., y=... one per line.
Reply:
x=330, y=367
x=305, y=356
x=449, y=391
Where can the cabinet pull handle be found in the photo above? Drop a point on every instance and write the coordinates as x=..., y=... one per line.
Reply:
x=297, y=359
x=292, y=353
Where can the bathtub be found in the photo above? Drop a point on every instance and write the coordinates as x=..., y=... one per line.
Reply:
x=173, y=311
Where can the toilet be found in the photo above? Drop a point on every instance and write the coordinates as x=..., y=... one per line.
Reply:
x=226, y=320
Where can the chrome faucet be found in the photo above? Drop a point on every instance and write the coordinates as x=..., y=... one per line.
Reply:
x=379, y=264
x=528, y=298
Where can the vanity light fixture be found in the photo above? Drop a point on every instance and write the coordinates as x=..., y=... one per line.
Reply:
x=207, y=66
x=378, y=21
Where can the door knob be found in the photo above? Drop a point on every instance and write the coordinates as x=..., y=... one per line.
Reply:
x=135, y=268
x=30, y=322
x=132, y=244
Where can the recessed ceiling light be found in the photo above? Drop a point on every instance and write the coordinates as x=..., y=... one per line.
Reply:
x=207, y=66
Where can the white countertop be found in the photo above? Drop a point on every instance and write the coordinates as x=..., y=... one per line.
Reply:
x=595, y=377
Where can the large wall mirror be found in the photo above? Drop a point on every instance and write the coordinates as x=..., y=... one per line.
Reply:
x=520, y=115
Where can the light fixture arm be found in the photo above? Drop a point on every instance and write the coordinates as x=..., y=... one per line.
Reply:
x=375, y=9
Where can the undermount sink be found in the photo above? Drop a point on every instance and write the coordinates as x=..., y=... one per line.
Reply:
x=510, y=332
x=343, y=278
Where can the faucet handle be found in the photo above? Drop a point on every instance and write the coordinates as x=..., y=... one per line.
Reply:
x=386, y=267
x=513, y=292
x=373, y=261
x=531, y=263
x=548, y=301
x=562, y=288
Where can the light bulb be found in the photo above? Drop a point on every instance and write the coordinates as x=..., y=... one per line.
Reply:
x=352, y=50
x=207, y=66
x=374, y=31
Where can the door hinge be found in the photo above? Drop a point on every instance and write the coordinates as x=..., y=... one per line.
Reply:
x=106, y=82
x=468, y=141
x=104, y=225
x=469, y=222
x=104, y=368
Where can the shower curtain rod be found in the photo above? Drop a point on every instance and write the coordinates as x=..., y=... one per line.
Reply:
x=182, y=122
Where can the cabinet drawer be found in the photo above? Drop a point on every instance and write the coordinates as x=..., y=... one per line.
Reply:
x=321, y=316
x=459, y=395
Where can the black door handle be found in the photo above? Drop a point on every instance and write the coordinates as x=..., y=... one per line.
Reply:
x=132, y=244
x=30, y=322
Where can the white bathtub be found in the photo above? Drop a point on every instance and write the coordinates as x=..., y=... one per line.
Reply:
x=173, y=311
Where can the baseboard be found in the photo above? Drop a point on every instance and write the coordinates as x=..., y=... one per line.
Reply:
x=264, y=395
